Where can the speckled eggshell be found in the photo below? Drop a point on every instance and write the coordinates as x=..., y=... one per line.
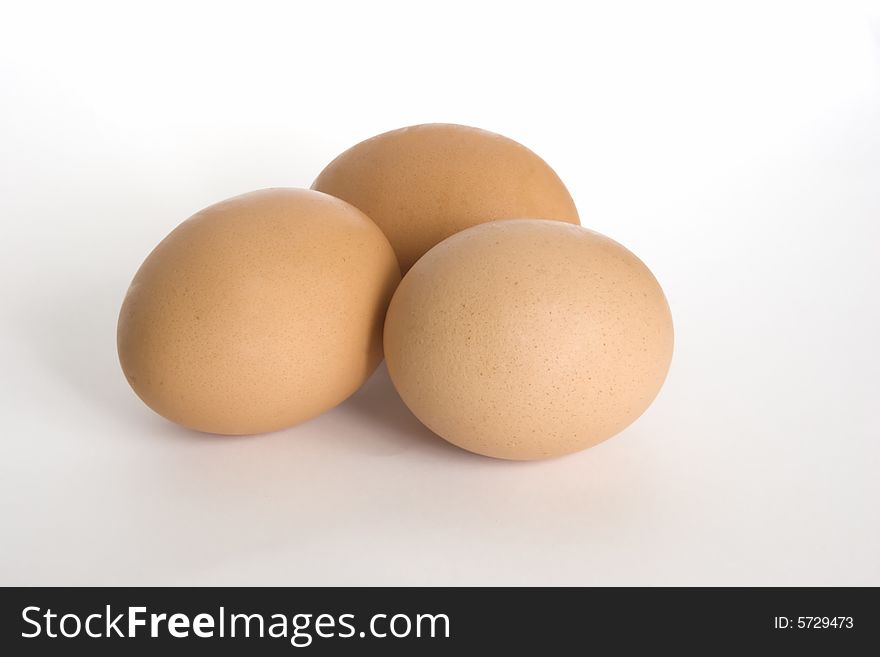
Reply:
x=424, y=183
x=258, y=312
x=528, y=339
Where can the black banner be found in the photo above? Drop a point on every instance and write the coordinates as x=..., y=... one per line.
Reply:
x=114, y=621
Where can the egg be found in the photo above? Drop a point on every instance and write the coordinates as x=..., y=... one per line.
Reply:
x=424, y=183
x=528, y=339
x=258, y=313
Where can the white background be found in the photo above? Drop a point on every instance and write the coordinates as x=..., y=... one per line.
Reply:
x=735, y=147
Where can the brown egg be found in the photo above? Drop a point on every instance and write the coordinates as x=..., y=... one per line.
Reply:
x=424, y=183
x=528, y=339
x=258, y=312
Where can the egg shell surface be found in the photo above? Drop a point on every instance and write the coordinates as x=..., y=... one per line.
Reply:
x=258, y=312
x=528, y=339
x=423, y=183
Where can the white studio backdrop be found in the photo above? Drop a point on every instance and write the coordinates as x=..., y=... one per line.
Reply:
x=734, y=147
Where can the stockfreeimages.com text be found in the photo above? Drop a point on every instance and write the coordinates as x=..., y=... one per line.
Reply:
x=299, y=629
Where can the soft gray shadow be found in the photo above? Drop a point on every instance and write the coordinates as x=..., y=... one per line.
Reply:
x=378, y=404
x=70, y=331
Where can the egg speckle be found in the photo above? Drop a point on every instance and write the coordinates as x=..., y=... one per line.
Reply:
x=528, y=339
